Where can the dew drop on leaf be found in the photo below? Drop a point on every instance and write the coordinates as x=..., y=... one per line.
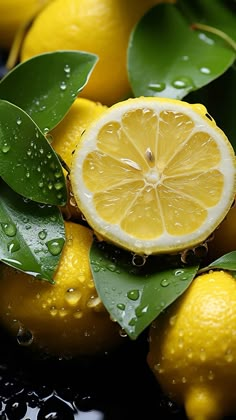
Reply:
x=55, y=246
x=9, y=229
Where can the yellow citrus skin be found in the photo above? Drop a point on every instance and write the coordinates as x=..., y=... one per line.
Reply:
x=67, y=134
x=13, y=14
x=193, y=347
x=97, y=26
x=66, y=318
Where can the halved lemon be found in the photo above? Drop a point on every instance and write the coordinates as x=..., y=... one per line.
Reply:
x=154, y=175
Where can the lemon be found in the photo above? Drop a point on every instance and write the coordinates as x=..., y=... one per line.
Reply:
x=224, y=237
x=154, y=175
x=192, y=349
x=66, y=318
x=13, y=14
x=66, y=135
x=101, y=27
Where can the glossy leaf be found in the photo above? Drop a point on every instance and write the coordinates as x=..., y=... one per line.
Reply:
x=28, y=163
x=135, y=295
x=46, y=85
x=31, y=235
x=167, y=58
x=226, y=262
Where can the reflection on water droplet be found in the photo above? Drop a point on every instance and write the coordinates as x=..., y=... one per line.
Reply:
x=42, y=234
x=58, y=186
x=157, y=87
x=165, y=283
x=55, y=246
x=73, y=296
x=141, y=310
x=121, y=306
x=18, y=121
x=78, y=314
x=24, y=337
x=111, y=267
x=139, y=260
x=13, y=246
x=9, y=229
x=205, y=70
x=182, y=82
x=53, y=311
x=63, y=86
x=5, y=148
x=133, y=294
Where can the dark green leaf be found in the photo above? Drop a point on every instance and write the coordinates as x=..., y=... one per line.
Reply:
x=135, y=295
x=31, y=235
x=215, y=13
x=28, y=163
x=46, y=85
x=167, y=58
x=226, y=262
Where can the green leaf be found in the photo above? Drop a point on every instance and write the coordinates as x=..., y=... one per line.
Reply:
x=135, y=295
x=226, y=262
x=28, y=164
x=167, y=58
x=31, y=235
x=46, y=85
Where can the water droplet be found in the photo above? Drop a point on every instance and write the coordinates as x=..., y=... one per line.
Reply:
x=157, y=87
x=141, y=310
x=205, y=70
x=123, y=333
x=132, y=322
x=184, y=380
x=55, y=246
x=229, y=356
x=121, y=306
x=111, y=267
x=19, y=121
x=165, y=283
x=182, y=82
x=96, y=268
x=73, y=296
x=133, y=294
x=24, y=337
x=139, y=260
x=210, y=375
x=78, y=314
x=63, y=86
x=5, y=148
x=202, y=355
x=178, y=272
x=94, y=302
x=53, y=311
x=9, y=229
x=13, y=246
x=42, y=234
x=58, y=186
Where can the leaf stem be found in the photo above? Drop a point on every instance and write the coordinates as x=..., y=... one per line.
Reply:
x=217, y=32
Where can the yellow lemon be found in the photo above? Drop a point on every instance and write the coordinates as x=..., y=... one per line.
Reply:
x=101, y=27
x=13, y=14
x=224, y=237
x=154, y=175
x=66, y=318
x=66, y=135
x=192, y=349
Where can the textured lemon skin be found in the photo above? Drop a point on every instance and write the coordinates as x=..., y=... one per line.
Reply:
x=193, y=347
x=66, y=318
x=101, y=27
x=14, y=13
x=67, y=134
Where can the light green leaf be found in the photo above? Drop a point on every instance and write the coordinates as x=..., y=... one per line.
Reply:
x=46, y=85
x=135, y=295
x=31, y=235
x=28, y=164
x=167, y=58
x=226, y=262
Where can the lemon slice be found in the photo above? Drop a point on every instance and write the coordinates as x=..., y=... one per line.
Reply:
x=154, y=175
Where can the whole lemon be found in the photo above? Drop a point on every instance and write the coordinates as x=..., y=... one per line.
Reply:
x=102, y=27
x=66, y=135
x=193, y=347
x=224, y=237
x=63, y=319
x=13, y=14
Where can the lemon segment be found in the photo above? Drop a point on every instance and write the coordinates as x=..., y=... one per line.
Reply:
x=154, y=175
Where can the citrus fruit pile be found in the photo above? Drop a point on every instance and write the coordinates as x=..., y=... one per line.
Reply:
x=150, y=180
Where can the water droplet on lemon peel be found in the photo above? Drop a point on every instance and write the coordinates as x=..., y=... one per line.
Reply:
x=204, y=319
x=63, y=318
